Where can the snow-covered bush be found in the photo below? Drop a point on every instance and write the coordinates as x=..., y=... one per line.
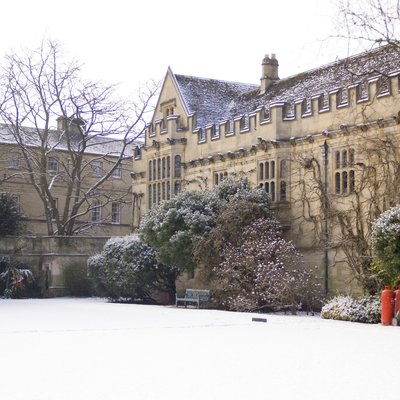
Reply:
x=386, y=243
x=346, y=308
x=263, y=271
x=173, y=226
x=128, y=270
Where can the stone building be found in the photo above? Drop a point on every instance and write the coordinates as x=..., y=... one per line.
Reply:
x=323, y=144
x=106, y=211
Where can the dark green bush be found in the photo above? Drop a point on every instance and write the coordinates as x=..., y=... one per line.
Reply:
x=76, y=280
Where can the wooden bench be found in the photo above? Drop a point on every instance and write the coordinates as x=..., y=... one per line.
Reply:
x=193, y=296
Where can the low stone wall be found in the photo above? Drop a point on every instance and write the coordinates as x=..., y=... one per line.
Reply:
x=47, y=255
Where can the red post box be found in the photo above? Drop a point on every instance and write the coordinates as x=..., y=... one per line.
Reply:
x=387, y=305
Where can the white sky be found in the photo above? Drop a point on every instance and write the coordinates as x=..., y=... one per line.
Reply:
x=131, y=42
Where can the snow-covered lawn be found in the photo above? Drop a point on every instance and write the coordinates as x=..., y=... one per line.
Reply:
x=73, y=349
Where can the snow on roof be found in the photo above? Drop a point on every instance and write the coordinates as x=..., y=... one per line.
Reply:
x=95, y=145
x=211, y=99
x=215, y=100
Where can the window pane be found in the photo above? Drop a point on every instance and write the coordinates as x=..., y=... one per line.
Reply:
x=150, y=169
x=282, y=170
x=115, y=213
x=337, y=183
x=163, y=168
x=149, y=200
x=352, y=181
x=337, y=160
x=272, y=191
x=177, y=187
x=15, y=160
x=272, y=170
x=261, y=171
x=283, y=191
x=344, y=182
x=52, y=164
x=97, y=168
x=351, y=157
x=96, y=211
x=117, y=173
x=177, y=166
x=344, y=158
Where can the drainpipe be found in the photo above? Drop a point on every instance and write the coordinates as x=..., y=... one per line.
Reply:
x=325, y=237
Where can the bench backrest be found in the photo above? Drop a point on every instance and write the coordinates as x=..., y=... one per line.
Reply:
x=200, y=294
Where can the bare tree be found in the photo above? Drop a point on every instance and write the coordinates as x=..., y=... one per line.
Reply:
x=342, y=222
x=369, y=22
x=49, y=109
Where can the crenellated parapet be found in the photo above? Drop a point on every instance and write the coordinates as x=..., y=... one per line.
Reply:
x=284, y=120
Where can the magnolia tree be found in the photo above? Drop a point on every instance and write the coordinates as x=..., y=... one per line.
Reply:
x=128, y=270
x=262, y=271
x=386, y=244
x=229, y=225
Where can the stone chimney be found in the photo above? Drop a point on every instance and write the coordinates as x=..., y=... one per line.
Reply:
x=269, y=72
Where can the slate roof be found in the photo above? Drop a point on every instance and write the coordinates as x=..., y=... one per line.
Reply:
x=212, y=100
x=215, y=101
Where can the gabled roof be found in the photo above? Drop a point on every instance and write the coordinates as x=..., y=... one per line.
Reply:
x=212, y=100
x=215, y=100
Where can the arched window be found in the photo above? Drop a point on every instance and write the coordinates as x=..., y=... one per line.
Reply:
x=159, y=168
x=163, y=191
x=158, y=193
x=344, y=182
x=282, y=169
x=149, y=200
x=150, y=169
x=216, y=179
x=351, y=157
x=168, y=167
x=154, y=193
x=261, y=171
x=154, y=170
x=337, y=159
x=345, y=175
x=337, y=182
x=177, y=169
x=177, y=187
x=272, y=170
x=352, y=181
x=168, y=190
x=272, y=191
x=266, y=187
x=267, y=170
x=344, y=158
x=163, y=168
x=282, y=191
